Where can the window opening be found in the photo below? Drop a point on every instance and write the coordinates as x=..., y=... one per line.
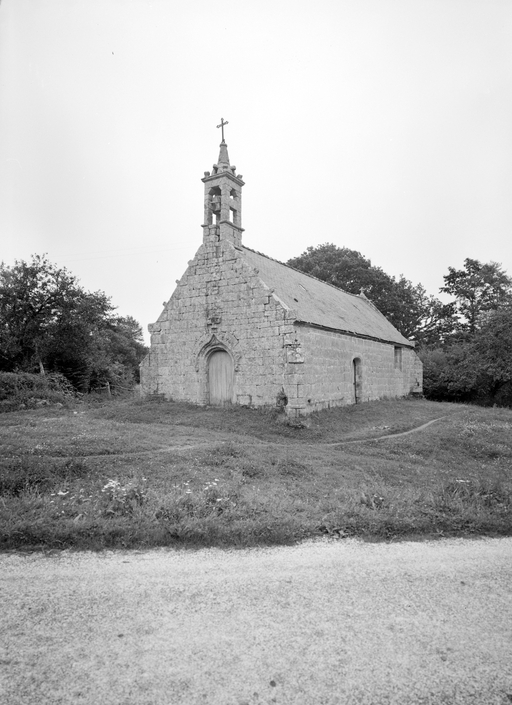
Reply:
x=357, y=379
x=398, y=358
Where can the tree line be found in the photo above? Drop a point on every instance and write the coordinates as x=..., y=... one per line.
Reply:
x=49, y=323
x=465, y=345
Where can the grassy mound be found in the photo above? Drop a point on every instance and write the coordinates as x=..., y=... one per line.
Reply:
x=140, y=474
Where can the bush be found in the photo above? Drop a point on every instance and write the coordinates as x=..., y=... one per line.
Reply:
x=26, y=390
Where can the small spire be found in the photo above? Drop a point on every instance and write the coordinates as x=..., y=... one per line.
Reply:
x=223, y=155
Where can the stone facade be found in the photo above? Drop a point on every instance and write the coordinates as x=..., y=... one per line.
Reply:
x=328, y=378
x=219, y=304
x=273, y=353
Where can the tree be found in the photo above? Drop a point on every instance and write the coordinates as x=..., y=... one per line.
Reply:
x=477, y=288
x=476, y=369
x=407, y=306
x=31, y=295
x=491, y=353
x=48, y=321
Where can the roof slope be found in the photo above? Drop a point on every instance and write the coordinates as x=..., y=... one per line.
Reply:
x=322, y=304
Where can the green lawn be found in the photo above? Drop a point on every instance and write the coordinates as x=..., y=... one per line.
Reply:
x=132, y=473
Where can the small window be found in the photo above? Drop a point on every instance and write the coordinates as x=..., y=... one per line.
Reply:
x=231, y=215
x=398, y=358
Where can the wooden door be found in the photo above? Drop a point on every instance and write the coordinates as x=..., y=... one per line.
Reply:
x=358, y=385
x=220, y=378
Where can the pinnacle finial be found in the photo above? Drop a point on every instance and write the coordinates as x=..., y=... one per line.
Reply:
x=222, y=123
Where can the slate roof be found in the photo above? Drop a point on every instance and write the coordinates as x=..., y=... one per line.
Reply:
x=322, y=304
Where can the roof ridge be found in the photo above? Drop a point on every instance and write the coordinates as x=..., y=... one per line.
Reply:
x=311, y=276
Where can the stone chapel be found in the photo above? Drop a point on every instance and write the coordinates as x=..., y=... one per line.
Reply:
x=242, y=328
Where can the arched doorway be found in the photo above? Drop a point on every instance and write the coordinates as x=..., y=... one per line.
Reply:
x=220, y=378
x=357, y=380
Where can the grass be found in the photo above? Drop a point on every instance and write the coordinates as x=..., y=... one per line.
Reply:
x=140, y=474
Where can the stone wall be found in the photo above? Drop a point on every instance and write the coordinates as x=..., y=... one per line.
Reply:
x=221, y=303
x=326, y=377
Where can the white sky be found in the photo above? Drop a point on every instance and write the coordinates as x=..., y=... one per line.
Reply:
x=384, y=126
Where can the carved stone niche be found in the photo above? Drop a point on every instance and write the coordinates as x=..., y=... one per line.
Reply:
x=294, y=354
x=215, y=319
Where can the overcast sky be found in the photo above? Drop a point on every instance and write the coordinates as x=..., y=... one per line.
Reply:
x=384, y=126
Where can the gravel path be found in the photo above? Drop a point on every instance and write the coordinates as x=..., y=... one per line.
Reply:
x=321, y=623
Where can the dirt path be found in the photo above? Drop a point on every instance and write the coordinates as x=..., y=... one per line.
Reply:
x=390, y=435
x=222, y=439
x=321, y=623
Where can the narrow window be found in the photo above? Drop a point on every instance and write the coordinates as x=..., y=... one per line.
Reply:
x=357, y=379
x=398, y=358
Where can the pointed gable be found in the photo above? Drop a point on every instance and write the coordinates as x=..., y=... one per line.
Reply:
x=320, y=304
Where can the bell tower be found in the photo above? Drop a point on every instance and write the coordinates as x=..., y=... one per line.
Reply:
x=222, y=200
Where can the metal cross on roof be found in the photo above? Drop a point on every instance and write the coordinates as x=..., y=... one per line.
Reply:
x=222, y=123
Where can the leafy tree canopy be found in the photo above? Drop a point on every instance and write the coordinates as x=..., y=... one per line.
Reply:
x=477, y=289
x=477, y=368
x=49, y=322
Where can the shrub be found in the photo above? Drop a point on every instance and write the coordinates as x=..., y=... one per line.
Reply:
x=26, y=390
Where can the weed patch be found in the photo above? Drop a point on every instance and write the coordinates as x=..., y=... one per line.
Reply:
x=18, y=475
x=123, y=499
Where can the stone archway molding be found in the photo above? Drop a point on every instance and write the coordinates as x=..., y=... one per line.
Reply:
x=213, y=341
